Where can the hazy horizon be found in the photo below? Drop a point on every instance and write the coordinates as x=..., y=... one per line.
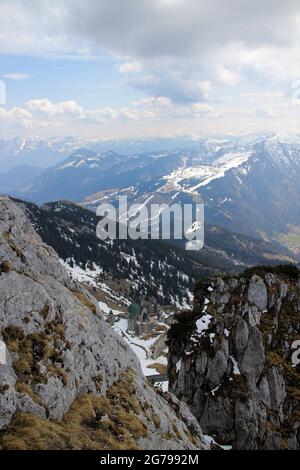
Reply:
x=103, y=69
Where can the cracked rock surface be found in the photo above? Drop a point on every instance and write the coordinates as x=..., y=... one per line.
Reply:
x=231, y=359
x=59, y=347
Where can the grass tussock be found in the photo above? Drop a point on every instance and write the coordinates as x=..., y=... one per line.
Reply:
x=156, y=421
x=37, y=349
x=160, y=368
x=93, y=422
x=45, y=311
x=85, y=301
x=5, y=267
x=3, y=389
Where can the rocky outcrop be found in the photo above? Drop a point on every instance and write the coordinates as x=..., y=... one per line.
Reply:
x=232, y=359
x=65, y=365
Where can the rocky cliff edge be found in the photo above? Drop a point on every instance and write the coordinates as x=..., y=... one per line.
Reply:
x=68, y=381
x=235, y=359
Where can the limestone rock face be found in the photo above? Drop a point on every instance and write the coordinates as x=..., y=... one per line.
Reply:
x=58, y=345
x=231, y=359
x=257, y=292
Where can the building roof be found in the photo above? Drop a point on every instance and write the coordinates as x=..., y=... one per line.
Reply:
x=133, y=311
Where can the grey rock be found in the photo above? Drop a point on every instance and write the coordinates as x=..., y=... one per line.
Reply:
x=264, y=392
x=257, y=292
x=250, y=419
x=38, y=298
x=220, y=285
x=253, y=359
x=232, y=283
x=270, y=279
x=27, y=405
x=277, y=388
x=254, y=315
x=283, y=289
x=8, y=395
x=241, y=336
x=217, y=419
x=241, y=387
x=217, y=365
x=220, y=299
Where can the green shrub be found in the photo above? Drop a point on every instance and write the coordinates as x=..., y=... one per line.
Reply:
x=184, y=323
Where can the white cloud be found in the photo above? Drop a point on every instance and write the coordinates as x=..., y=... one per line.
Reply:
x=17, y=76
x=171, y=83
x=148, y=116
x=230, y=77
x=61, y=113
x=172, y=44
x=47, y=107
x=130, y=67
x=161, y=101
x=18, y=117
x=265, y=113
x=187, y=57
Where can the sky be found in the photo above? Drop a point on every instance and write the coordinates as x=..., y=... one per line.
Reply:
x=136, y=68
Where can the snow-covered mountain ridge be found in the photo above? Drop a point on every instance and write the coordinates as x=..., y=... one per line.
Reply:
x=248, y=186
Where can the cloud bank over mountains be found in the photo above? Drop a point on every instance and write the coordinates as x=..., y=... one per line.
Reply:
x=186, y=52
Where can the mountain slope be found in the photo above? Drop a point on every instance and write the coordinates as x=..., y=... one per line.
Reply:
x=19, y=176
x=134, y=268
x=248, y=186
x=86, y=172
x=143, y=267
x=68, y=381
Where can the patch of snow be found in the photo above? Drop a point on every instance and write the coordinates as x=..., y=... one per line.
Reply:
x=212, y=337
x=178, y=365
x=202, y=323
x=213, y=392
x=106, y=309
x=209, y=440
x=236, y=370
x=183, y=178
x=86, y=275
x=141, y=347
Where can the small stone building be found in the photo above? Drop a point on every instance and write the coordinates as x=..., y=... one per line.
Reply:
x=150, y=307
x=139, y=319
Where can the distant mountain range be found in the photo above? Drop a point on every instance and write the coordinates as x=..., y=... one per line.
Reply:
x=248, y=186
x=48, y=152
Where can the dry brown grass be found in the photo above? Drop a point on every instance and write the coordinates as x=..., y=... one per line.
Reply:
x=93, y=422
x=98, y=380
x=156, y=330
x=58, y=372
x=85, y=301
x=35, y=349
x=3, y=388
x=5, y=267
x=156, y=421
x=45, y=311
x=26, y=389
x=160, y=368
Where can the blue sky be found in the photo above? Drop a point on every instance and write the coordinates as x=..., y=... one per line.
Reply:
x=95, y=82
x=132, y=68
